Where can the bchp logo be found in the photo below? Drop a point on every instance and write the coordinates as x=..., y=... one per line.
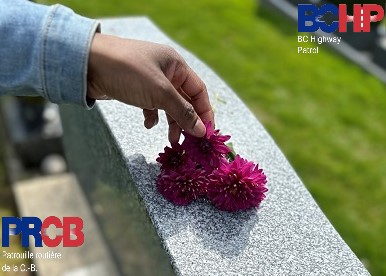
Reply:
x=310, y=17
x=72, y=227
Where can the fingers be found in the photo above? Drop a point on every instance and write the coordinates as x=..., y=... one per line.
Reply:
x=151, y=118
x=174, y=130
x=195, y=88
x=182, y=115
x=104, y=97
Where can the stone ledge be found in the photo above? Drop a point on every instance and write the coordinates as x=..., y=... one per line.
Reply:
x=114, y=156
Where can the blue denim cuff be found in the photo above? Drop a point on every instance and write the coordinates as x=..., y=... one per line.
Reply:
x=66, y=42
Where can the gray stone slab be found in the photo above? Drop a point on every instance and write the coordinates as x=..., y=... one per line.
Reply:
x=61, y=196
x=114, y=158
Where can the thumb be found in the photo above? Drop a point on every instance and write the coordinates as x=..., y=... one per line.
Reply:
x=182, y=112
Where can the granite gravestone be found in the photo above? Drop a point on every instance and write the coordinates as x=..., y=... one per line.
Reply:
x=113, y=156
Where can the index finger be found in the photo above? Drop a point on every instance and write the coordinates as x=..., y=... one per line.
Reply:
x=195, y=88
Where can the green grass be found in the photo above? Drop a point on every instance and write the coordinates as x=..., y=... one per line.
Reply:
x=326, y=114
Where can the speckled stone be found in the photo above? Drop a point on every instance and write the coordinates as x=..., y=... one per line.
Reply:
x=287, y=235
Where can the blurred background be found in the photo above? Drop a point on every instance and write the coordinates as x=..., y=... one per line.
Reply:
x=327, y=114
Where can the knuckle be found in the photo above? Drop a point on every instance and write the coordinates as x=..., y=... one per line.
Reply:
x=188, y=112
x=171, y=54
x=169, y=50
x=200, y=90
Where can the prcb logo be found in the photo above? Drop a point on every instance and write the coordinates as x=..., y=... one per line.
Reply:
x=72, y=227
x=309, y=17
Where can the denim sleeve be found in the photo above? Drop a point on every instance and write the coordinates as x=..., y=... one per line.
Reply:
x=44, y=52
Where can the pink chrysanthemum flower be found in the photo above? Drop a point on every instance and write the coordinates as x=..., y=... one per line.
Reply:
x=239, y=185
x=207, y=150
x=182, y=187
x=173, y=158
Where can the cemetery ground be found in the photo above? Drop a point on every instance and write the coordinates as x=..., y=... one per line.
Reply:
x=326, y=114
x=8, y=208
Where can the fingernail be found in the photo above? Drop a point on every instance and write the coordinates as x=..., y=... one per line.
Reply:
x=199, y=128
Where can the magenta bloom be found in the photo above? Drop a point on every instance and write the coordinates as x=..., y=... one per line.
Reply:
x=206, y=167
x=239, y=185
x=207, y=150
x=173, y=158
x=183, y=187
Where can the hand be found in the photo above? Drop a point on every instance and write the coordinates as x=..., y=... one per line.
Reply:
x=150, y=76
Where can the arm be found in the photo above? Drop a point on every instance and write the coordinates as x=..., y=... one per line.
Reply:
x=44, y=51
x=150, y=76
x=52, y=52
